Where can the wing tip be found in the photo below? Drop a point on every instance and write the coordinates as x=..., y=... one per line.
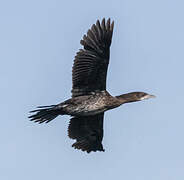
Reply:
x=86, y=147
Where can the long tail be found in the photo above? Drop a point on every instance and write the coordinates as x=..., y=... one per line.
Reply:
x=45, y=113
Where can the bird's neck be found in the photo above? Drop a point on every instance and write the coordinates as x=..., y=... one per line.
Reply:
x=127, y=98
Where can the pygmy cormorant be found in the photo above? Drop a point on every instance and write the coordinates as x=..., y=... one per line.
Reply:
x=89, y=96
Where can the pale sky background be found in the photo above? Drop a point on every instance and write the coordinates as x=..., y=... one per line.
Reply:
x=38, y=42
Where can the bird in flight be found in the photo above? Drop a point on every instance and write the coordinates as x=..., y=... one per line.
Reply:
x=90, y=99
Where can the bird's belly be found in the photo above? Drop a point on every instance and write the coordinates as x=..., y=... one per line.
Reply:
x=86, y=110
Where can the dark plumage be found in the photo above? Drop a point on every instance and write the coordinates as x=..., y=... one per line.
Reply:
x=91, y=63
x=89, y=96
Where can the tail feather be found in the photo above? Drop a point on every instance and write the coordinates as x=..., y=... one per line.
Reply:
x=46, y=106
x=45, y=114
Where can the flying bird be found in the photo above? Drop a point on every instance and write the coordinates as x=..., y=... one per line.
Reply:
x=90, y=99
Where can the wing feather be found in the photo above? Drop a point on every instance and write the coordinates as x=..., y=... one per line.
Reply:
x=91, y=63
x=88, y=132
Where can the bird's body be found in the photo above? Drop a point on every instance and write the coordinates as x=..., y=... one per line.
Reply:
x=89, y=96
x=90, y=104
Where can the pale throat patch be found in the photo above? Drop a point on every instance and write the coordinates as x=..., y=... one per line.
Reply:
x=147, y=97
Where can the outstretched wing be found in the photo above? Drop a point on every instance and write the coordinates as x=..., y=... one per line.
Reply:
x=88, y=132
x=91, y=63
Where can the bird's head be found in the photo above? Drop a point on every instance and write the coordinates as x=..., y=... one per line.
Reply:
x=142, y=96
x=134, y=96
